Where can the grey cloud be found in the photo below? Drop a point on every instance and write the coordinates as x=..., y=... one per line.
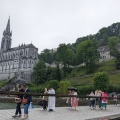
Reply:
x=47, y=23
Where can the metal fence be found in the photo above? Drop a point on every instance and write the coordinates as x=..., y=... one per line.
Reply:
x=8, y=107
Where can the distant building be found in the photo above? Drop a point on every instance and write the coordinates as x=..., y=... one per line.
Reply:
x=105, y=53
x=17, y=61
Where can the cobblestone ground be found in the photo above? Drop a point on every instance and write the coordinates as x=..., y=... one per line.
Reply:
x=64, y=113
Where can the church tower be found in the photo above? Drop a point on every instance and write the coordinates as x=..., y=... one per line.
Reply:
x=6, y=40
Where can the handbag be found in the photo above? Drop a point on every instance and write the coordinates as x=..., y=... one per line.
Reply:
x=17, y=100
x=24, y=101
x=40, y=103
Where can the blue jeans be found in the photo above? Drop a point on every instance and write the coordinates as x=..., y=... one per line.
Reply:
x=91, y=103
x=115, y=102
x=69, y=102
x=26, y=106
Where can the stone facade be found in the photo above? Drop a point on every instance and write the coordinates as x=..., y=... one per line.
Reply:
x=105, y=52
x=17, y=61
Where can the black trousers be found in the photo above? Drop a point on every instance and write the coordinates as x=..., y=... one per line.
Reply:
x=18, y=108
x=44, y=105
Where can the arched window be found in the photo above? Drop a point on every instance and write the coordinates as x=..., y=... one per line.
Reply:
x=21, y=53
x=3, y=57
x=26, y=53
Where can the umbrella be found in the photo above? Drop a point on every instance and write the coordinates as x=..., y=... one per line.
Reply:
x=72, y=88
x=19, y=81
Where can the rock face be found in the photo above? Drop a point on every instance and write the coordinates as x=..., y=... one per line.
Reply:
x=8, y=87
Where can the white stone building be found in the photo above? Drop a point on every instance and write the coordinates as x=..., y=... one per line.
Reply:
x=16, y=61
x=105, y=53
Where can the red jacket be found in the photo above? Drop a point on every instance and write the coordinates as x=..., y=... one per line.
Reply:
x=104, y=97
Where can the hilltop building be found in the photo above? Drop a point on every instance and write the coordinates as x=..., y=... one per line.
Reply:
x=17, y=61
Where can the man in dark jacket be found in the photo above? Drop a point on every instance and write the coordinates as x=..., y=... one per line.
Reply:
x=18, y=99
x=29, y=100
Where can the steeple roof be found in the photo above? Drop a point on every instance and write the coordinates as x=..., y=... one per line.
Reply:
x=8, y=26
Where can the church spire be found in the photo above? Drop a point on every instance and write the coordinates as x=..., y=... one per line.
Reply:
x=8, y=26
x=6, y=40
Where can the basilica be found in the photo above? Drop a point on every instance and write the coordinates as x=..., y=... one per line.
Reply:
x=17, y=61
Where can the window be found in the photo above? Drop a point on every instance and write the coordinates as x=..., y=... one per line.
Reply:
x=26, y=53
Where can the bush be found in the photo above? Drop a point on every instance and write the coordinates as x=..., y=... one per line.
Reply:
x=84, y=90
x=38, y=89
x=101, y=81
x=53, y=84
x=113, y=88
x=63, y=87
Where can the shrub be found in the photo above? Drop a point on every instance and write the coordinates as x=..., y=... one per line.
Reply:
x=63, y=87
x=84, y=90
x=38, y=89
x=101, y=81
x=53, y=84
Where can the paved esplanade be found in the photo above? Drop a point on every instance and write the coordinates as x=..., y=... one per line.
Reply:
x=63, y=113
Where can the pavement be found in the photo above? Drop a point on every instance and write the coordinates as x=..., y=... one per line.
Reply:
x=64, y=113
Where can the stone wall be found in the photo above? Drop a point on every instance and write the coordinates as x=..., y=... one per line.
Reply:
x=60, y=102
x=6, y=76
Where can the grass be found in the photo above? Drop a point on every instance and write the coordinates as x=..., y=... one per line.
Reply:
x=2, y=83
x=78, y=76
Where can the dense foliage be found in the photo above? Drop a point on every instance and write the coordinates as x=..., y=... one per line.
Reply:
x=102, y=36
x=87, y=53
x=66, y=56
x=63, y=87
x=101, y=81
x=40, y=72
x=114, y=51
x=53, y=84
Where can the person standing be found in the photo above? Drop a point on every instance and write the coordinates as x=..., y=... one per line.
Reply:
x=18, y=100
x=29, y=100
x=45, y=99
x=69, y=99
x=51, y=100
x=98, y=100
x=92, y=101
x=104, y=100
x=115, y=99
x=74, y=100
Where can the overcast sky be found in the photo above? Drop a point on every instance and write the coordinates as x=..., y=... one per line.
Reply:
x=47, y=23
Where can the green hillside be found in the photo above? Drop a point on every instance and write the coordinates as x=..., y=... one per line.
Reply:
x=78, y=76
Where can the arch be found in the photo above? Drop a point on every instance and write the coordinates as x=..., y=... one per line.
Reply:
x=21, y=53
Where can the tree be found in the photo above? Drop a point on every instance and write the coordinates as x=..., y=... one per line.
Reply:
x=47, y=55
x=51, y=73
x=113, y=43
x=101, y=81
x=70, y=57
x=65, y=55
x=87, y=53
x=58, y=73
x=40, y=72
